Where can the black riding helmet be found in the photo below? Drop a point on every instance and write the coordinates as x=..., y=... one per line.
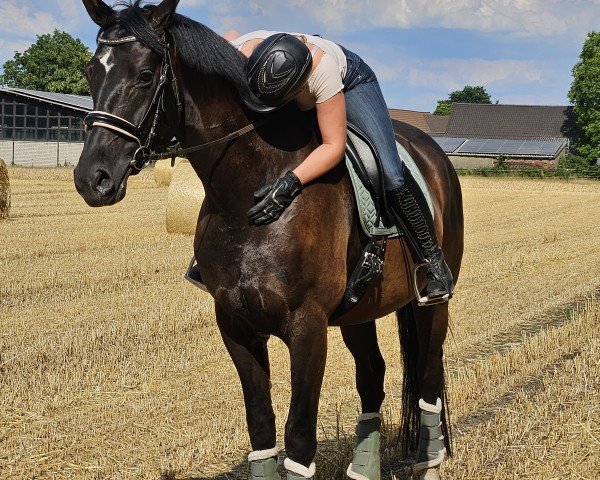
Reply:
x=276, y=72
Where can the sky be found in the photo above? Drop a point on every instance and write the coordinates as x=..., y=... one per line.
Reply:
x=521, y=51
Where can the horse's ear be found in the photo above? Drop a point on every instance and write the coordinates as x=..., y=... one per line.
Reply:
x=99, y=11
x=161, y=15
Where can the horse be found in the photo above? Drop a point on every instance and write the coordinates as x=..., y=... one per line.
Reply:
x=156, y=75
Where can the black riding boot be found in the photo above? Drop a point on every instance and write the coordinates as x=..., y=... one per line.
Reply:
x=412, y=216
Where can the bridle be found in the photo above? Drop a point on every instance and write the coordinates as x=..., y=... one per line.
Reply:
x=148, y=151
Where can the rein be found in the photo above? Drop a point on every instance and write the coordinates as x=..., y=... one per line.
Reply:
x=148, y=151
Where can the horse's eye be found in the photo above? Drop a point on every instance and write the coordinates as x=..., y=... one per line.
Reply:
x=146, y=76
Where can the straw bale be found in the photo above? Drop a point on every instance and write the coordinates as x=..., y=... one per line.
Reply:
x=185, y=198
x=4, y=191
x=163, y=172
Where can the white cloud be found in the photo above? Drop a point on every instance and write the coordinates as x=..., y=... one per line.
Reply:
x=520, y=17
x=23, y=20
x=453, y=74
x=9, y=47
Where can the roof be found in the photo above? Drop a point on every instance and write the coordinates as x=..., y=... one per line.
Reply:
x=471, y=120
x=425, y=121
x=416, y=119
x=437, y=123
x=76, y=102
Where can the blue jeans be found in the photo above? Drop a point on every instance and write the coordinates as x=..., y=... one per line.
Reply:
x=366, y=108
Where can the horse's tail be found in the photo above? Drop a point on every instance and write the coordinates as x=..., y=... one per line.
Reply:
x=409, y=345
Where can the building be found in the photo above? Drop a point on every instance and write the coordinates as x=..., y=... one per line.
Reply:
x=478, y=135
x=41, y=128
x=428, y=122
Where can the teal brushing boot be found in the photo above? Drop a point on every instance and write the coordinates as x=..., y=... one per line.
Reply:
x=366, y=463
x=432, y=449
x=296, y=471
x=263, y=465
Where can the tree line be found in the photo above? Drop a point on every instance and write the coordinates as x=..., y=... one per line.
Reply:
x=56, y=62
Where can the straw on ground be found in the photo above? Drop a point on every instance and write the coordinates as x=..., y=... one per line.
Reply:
x=111, y=366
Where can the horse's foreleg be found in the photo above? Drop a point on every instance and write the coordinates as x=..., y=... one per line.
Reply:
x=249, y=353
x=361, y=340
x=432, y=326
x=307, y=342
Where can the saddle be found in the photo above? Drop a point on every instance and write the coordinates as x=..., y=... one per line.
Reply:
x=365, y=170
x=366, y=174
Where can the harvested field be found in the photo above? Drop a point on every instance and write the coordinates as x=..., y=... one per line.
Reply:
x=111, y=366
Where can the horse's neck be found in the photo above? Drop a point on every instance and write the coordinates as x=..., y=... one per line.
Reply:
x=213, y=111
x=235, y=170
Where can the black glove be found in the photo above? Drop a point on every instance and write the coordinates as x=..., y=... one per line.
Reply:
x=272, y=199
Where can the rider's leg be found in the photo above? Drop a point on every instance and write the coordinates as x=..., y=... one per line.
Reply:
x=367, y=110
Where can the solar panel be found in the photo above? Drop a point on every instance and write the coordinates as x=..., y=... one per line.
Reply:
x=551, y=147
x=449, y=144
x=487, y=146
x=473, y=145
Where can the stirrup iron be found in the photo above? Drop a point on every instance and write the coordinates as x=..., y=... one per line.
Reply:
x=424, y=300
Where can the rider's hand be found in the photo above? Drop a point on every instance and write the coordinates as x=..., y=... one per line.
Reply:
x=272, y=199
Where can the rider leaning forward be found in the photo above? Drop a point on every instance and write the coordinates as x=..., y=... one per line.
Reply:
x=318, y=73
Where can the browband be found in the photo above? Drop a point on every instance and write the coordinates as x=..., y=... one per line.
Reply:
x=117, y=41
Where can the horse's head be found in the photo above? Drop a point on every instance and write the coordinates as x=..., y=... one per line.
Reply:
x=136, y=104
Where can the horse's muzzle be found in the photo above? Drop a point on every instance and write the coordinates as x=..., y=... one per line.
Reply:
x=99, y=188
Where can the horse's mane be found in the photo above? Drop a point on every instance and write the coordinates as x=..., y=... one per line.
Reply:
x=198, y=47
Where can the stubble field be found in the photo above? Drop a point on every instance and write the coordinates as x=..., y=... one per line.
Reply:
x=111, y=366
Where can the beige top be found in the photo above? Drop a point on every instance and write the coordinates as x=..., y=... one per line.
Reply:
x=326, y=79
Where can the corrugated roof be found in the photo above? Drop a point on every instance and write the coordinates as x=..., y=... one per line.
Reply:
x=510, y=121
x=77, y=102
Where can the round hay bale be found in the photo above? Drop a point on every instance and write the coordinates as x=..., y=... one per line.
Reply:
x=163, y=172
x=4, y=191
x=185, y=198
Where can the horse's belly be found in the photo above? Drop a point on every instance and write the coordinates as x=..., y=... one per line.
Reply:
x=392, y=292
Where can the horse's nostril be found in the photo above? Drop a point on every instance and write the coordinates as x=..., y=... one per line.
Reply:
x=103, y=183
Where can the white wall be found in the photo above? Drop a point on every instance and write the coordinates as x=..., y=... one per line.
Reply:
x=40, y=154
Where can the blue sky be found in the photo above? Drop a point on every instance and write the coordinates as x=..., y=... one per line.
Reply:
x=522, y=51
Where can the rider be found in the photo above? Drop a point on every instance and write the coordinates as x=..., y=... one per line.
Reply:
x=318, y=73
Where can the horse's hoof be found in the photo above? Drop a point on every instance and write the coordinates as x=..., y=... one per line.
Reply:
x=428, y=474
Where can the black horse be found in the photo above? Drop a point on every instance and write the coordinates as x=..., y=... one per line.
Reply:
x=157, y=74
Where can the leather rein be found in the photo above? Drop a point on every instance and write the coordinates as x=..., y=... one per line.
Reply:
x=147, y=151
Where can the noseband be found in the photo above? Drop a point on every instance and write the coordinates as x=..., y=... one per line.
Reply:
x=147, y=151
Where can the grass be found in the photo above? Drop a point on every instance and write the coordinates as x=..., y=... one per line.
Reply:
x=111, y=366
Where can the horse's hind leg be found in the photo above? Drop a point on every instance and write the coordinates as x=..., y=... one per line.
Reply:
x=361, y=340
x=431, y=327
x=249, y=353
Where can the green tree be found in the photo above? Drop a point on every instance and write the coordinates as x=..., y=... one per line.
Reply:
x=585, y=96
x=54, y=63
x=467, y=95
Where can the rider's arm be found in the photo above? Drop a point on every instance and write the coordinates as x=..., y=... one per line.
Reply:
x=331, y=116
